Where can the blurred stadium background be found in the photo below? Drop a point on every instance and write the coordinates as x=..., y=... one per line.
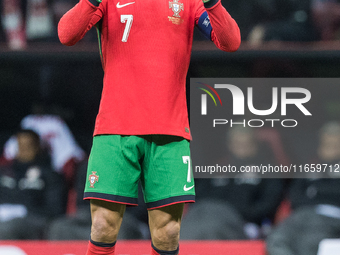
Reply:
x=67, y=81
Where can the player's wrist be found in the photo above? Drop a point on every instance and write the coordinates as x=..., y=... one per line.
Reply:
x=95, y=2
x=209, y=3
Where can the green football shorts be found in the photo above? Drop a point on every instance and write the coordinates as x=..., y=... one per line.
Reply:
x=160, y=162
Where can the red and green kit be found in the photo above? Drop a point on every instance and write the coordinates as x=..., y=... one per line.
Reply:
x=145, y=50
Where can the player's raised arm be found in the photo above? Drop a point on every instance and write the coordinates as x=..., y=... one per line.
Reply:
x=224, y=31
x=76, y=22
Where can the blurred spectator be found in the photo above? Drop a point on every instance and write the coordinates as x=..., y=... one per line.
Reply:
x=235, y=208
x=56, y=137
x=13, y=24
x=32, y=20
x=286, y=20
x=248, y=13
x=30, y=192
x=77, y=226
x=326, y=15
x=315, y=203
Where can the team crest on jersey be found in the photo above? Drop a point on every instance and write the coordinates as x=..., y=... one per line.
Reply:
x=176, y=7
x=93, y=178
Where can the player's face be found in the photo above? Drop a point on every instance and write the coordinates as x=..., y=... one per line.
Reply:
x=27, y=148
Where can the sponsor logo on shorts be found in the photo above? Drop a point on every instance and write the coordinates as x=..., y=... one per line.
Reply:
x=93, y=178
x=185, y=188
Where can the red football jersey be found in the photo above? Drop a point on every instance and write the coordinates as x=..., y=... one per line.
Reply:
x=146, y=48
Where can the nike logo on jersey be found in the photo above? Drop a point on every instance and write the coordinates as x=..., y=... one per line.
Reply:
x=185, y=188
x=123, y=5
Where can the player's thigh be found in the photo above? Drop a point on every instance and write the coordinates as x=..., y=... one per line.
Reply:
x=114, y=169
x=167, y=173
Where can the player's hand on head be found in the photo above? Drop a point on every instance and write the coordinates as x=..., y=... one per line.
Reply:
x=209, y=3
x=95, y=2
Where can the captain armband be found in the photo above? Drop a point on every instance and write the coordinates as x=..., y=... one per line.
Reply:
x=204, y=25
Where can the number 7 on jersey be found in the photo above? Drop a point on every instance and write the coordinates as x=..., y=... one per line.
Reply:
x=127, y=19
